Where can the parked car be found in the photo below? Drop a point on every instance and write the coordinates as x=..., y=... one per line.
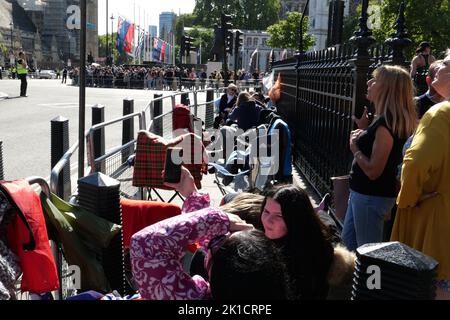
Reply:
x=47, y=74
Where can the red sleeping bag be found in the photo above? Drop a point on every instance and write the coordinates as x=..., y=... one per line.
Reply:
x=38, y=265
x=139, y=214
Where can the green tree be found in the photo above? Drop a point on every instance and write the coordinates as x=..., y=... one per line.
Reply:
x=286, y=33
x=247, y=14
x=204, y=38
x=425, y=20
x=187, y=20
x=119, y=58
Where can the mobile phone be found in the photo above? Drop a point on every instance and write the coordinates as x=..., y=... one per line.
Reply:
x=172, y=171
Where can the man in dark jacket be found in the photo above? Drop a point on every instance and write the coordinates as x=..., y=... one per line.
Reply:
x=246, y=115
x=431, y=97
x=227, y=102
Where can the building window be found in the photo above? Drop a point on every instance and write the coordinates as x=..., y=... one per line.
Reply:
x=249, y=42
x=264, y=42
x=255, y=42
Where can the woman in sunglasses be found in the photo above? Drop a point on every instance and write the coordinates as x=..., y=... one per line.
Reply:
x=241, y=262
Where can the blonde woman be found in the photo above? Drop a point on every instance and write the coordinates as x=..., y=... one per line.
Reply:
x=377, y=153
x=423, y=214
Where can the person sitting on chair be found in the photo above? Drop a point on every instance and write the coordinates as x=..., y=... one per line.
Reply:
x=246, y=113
x=227, y=102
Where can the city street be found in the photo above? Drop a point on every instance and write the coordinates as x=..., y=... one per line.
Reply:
x=25, y=122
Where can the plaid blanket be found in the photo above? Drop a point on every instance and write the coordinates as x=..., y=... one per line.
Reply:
x=151, y=157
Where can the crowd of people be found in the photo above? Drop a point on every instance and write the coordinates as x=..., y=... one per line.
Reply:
x=278, y=246
x=274, y=244
x=157, y=77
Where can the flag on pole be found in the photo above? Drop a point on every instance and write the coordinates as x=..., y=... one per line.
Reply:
x=140, y=47
x=122, y=29
x=157, y=44
x=128, y=47
x=253, y=61
x=163, y=51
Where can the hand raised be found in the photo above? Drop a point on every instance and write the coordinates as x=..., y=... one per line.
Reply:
x=186, y=186
x=363, y=122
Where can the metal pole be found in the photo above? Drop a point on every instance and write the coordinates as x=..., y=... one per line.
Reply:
x=134, y=34
x=12, y=25
x=107, y=40
x=299, y=58
x=82, y=90
x=112, y=40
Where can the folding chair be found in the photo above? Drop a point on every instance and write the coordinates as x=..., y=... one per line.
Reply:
x=150, y=159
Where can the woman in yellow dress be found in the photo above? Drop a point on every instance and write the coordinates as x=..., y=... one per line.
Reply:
x=423, y=214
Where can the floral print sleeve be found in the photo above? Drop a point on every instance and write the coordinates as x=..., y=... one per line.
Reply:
x=195, y=201
x=156, y=252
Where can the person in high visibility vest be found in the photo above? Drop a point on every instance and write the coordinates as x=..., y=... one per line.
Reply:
x=22, y=72
x=13, y=72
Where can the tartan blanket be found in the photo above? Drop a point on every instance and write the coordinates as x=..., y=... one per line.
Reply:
x=151, y=157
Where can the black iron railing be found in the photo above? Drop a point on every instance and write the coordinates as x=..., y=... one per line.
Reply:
x=332, y=86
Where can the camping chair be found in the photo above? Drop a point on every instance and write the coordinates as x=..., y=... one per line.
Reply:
x=240, y=172
x=151, y=156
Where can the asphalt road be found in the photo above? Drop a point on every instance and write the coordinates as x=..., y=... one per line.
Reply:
x=25, y=122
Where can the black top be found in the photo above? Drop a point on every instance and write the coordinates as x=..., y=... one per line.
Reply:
x=421, y=76
x=224, y=104
x=385, y=185
x=246, y=115
x=423, y=103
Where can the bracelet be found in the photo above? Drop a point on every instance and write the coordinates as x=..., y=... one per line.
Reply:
x=357, y=153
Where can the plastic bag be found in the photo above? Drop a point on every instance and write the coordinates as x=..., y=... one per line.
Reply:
x=82, y=235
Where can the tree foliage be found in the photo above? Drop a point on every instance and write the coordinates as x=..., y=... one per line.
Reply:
x=247, y=14
x=204, y=38
x=184, y=20
x=286, y=33
x=119, y=58
x=425, y=20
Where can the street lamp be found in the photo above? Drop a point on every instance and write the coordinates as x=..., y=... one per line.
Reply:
x=112, y=31
x=12, y=26
x=107, y=41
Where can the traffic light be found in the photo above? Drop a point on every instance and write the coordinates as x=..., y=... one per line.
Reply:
x=238, y=40
x=227, y=27
x=229, y=41
x=183, y=46
x=189, y=42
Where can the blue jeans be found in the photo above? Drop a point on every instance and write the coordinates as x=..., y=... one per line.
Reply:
x=364, y=220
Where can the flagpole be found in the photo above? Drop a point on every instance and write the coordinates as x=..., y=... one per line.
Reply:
x=139, y=44
x=145, y=36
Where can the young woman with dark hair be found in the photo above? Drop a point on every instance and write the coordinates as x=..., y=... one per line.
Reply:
x=290, y=221
x=241, y=262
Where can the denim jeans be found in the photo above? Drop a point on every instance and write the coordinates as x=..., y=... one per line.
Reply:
x=364, y=219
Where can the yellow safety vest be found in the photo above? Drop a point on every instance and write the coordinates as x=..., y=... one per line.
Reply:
x=21, y=69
